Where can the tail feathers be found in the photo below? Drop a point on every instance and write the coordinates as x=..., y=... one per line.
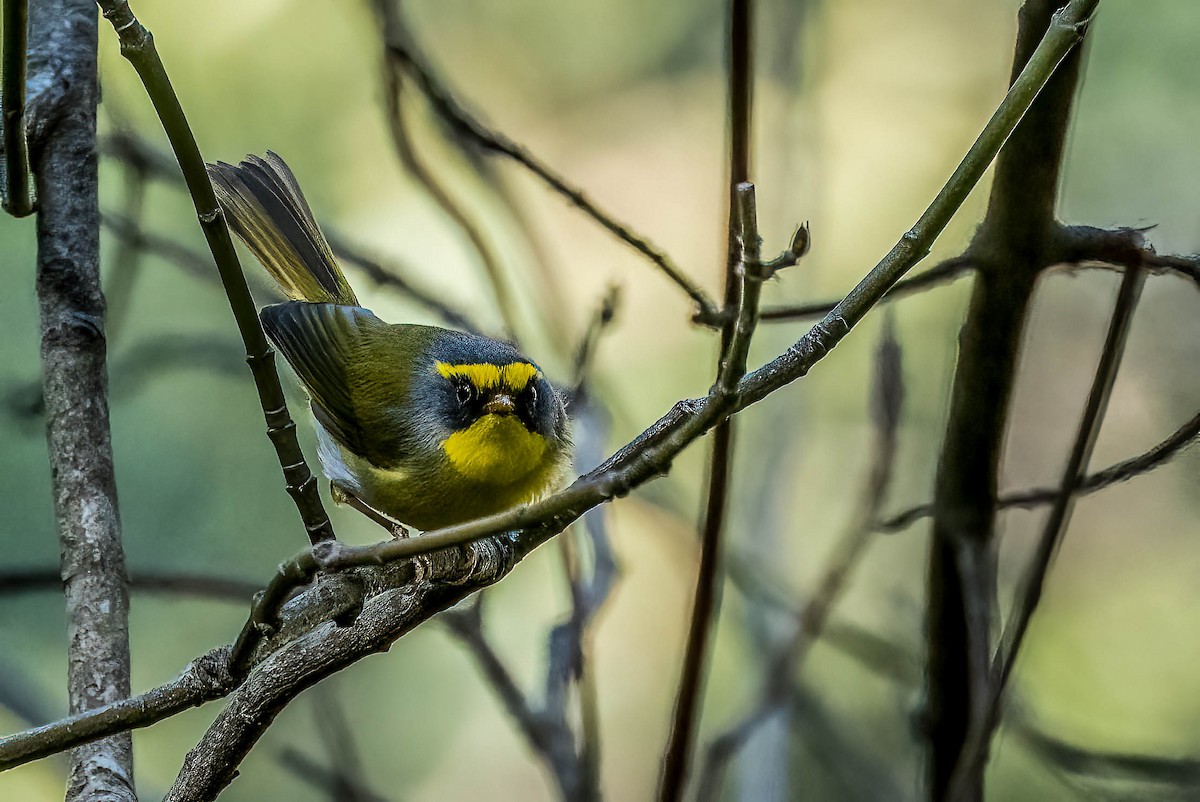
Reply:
x=266, y=209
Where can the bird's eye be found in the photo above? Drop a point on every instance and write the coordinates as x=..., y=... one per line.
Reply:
x=533, y=395
x=465, y=393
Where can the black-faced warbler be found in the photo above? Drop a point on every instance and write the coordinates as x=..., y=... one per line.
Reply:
x=428, y=426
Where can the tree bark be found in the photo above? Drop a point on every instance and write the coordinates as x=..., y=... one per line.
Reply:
x=63, y=97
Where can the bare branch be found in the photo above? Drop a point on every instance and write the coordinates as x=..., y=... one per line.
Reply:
x=1122, y=471
x=739, y=310
x=15, y=581
x=401, y=47
x=1015, y=242
x=941, y=273
x=390, y=25
x=137, y=45
x=887, y=403
x=975, y=751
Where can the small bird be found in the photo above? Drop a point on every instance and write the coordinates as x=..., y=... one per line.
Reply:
x=415, y=425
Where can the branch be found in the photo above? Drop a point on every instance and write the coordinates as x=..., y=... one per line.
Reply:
x=1012, y=246
x=974, y=754
x=204, y=679
x=400, y=46
x=546, y=730
x=887, y=403
x=394, y=279
x=18, y=580
x=17, y=200
x=393, y=74
x=75, y=384
x=1122, y=471
x=137, y=45
x=941, y=273
x=739, y=311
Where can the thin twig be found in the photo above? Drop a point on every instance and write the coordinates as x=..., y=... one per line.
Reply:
x=743, y=284
x=17, y=198
x=392, y=278
x=975, y=752
x=887, y=404
x=546, y=730
x=393, y=76
x=126, y=261
x=15, y=581
x=463, y=123
x=941, y=273
x=1122, y=471
x=137, y=45
x=585, y=352
x=133, y=150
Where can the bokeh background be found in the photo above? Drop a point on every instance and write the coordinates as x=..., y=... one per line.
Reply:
x=862, y=110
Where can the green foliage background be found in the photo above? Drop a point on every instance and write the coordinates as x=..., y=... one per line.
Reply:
x=861, y=111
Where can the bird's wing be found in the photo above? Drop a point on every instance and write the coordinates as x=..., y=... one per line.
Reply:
x=325, y=345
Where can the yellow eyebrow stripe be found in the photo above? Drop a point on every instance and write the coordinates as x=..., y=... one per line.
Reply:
x=486, y=376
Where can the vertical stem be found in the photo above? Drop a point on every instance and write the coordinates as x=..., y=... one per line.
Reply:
x=707, y=601
x=75, y=387
x=17, y=200
x=1013, y=245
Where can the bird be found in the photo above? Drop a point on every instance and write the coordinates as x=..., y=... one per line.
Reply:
x=416, y=425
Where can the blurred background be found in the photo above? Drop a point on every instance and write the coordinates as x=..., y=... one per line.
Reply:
x=861, y=111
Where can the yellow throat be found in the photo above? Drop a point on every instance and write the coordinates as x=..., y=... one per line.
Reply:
x=496, y=449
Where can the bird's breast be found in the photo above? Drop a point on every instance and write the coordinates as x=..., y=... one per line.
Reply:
x=495, y=449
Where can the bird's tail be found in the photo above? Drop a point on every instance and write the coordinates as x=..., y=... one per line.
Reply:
x=265, y=207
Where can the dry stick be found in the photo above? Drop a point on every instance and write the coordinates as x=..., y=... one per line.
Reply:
x=467, y=126
x=1122, y=471
x=62, y=117
x=17, y=199
x=204, y=679
x=137, y=45
x=644, y=458
x=975, y=751
x=1013, y=245
x=941, y=273
x=887, y=401
x=337, y=784
x=547, y=285
x=546, y=730
x=743, y=283
x=585, y=352
x=402, y=142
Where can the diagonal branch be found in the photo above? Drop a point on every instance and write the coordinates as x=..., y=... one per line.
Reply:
x=887, y=404
x=401, y=47
x=1122, y=471
x=137, y=45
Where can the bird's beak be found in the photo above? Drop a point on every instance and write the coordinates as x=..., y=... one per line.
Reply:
x=500, y=404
